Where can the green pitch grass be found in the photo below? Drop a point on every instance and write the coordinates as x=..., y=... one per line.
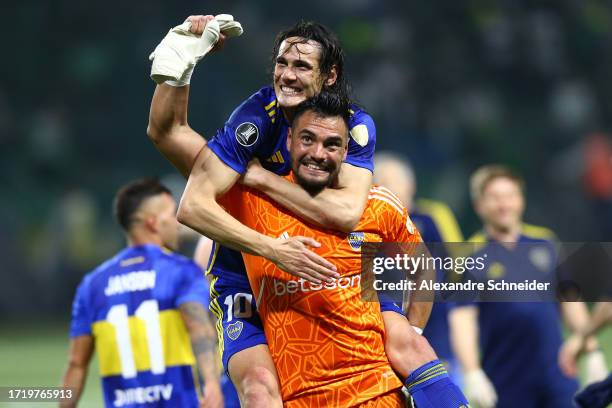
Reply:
x=34, y=355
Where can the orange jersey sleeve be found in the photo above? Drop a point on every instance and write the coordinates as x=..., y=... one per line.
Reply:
x=391, y=217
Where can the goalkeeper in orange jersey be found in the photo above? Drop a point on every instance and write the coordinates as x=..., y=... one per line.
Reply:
x=327, y=344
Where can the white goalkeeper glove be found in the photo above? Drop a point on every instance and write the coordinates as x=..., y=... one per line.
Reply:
x=595, y=366
x=177, y=54
x=479, y=390
x=228, y=26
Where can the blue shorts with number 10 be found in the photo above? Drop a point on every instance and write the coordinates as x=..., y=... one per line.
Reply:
x=233, y=303
x=258, y=129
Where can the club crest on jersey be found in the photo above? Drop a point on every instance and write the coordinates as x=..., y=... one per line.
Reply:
x=360, y=135
x=541, y=258
x=496, y=271
x=247, y=134
x=233, y=330
x=356, y=240
x=409, y=225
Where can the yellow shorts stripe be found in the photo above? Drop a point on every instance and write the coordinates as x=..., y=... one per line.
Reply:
x=214, y=258
x=215, y=307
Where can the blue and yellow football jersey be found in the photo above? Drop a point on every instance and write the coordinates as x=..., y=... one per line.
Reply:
x=129, y=305
x=520, y=341
x=258, y=129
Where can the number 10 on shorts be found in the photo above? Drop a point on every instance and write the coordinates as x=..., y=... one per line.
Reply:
x=239, y=306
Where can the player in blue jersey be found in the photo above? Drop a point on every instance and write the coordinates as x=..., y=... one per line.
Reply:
x=143, y=312
x=518, y=341
x=308, y=59
x=436, y=223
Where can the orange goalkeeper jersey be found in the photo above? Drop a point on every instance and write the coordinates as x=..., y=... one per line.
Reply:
x=327, y=344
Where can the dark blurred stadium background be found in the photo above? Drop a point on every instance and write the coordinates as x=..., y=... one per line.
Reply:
x=451, y=84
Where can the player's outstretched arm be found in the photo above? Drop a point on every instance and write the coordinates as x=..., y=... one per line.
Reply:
x=336, y=208
x=210, y=178
x=418, y=314
x=174, y=59
x=168, y=128
x=203, y=342
x=402, y=231
x=79, y=355
x=421, y=300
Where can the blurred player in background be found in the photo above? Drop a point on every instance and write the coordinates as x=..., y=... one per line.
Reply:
x=308, y=58
x=436, y=223
x=144, y=312
x=326, y=342
x=599, y=394
x=517, y=342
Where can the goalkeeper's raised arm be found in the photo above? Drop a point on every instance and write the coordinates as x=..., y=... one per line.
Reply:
x=173, y=62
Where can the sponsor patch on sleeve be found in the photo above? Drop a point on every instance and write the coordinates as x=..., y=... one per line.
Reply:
x=247, y=134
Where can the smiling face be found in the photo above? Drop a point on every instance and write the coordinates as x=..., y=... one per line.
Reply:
x=297, y=74
x=317, y=145
x=501, y=204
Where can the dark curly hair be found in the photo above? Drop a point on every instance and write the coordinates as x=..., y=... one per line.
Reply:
x=130, y=197
x=332, y=53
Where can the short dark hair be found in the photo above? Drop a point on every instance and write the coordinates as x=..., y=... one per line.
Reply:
x=481, y=178
x=325, y=104
x=130, y=197
x=331, y=50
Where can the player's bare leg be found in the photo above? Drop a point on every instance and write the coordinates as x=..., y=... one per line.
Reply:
x=416, y=362
x=253, y=373
x=406, y=349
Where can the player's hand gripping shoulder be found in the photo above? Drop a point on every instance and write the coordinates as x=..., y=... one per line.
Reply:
x=177, y=54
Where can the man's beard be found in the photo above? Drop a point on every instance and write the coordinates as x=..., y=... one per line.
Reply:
x=315, y=187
